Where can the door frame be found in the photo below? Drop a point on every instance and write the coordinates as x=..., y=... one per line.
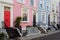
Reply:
x=11, y=13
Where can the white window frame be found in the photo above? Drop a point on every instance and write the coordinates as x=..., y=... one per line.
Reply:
x=20, y=1
x=22, y=14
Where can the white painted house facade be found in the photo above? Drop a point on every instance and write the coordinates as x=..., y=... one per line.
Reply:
x=6, y=12
x=54, y=11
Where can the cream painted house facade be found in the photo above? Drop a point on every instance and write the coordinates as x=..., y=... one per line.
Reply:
x=54, y=11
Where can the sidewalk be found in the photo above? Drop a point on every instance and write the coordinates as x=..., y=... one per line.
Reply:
x=39, y=35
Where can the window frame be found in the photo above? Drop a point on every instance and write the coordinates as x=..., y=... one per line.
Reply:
x=25, y=12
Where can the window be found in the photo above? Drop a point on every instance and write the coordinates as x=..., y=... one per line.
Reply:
x=24, y=13
x=31, y=2
x=43, y=17
x=52, y=6
x=41, y=5
x=47, y=8
x=21, y=1
x=53, y=11
x=56, y=9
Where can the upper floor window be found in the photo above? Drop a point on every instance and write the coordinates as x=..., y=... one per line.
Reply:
x=21, y=1
x=41, y=5
x=52, y=6
x=31, y=2
x=47, y=8
x=56, y=9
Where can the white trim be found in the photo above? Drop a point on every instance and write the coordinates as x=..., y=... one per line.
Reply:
x=8, y=2
x=36, y=17
x=1, y=15
x=11, y=14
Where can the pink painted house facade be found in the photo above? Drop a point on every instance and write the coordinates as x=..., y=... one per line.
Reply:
x=25, y=9
x=11, y=9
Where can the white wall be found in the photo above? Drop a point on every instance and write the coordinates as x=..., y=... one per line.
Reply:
x=56, y=3
x=7, y=1
x=1, y=15
x=11, y=17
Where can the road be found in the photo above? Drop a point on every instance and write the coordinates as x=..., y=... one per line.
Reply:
x=55, y=36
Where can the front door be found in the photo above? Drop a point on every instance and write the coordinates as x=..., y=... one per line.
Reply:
x=48, y=20
x=7, y=17
x=34, y=18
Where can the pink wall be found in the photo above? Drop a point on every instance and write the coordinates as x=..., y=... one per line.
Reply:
x=17, y=11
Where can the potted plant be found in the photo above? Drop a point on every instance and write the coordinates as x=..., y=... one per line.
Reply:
x=2, y=36
x=17, y=23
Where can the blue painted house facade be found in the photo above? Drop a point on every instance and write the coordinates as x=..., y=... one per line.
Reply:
x=43, y=13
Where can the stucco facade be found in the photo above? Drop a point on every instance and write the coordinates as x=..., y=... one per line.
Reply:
x=43, y=12
x=54, y=11
x=16, y=9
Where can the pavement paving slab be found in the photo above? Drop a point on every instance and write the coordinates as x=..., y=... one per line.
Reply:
x=37, y=36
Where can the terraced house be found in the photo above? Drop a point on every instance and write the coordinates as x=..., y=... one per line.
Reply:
x=54, y=12
x=44, y=13
x=11, y=9
x=27, y=9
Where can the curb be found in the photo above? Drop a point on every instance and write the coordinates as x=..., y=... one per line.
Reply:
x=38, y=35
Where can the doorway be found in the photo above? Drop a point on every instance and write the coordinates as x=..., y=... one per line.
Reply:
x=34, y=19
x=6, y=17
x=48, y=20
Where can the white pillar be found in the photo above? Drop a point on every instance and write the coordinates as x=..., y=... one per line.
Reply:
x=1, y=15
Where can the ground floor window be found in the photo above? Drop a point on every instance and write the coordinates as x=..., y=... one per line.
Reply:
x=24, y=14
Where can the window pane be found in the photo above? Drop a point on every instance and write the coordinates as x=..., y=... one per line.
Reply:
x=24, y=17
x=24, y=14
x=32, y=2
x=41, y=5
